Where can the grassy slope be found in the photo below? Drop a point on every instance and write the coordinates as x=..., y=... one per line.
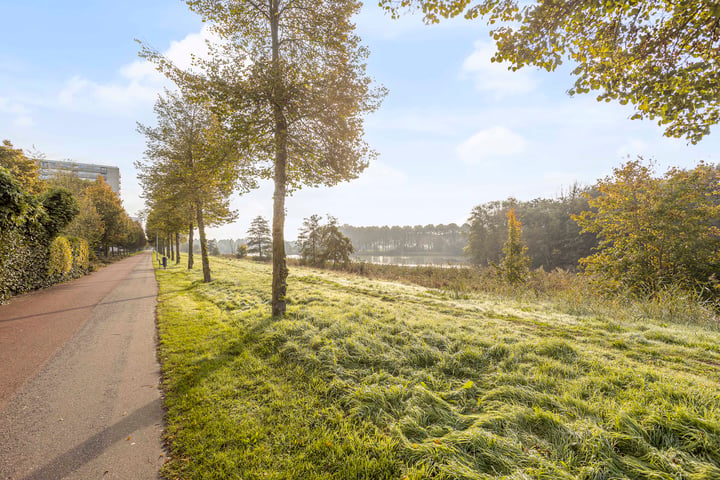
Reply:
x=370, y=379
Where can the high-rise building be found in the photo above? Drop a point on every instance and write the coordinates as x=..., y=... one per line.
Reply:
x=88, y=171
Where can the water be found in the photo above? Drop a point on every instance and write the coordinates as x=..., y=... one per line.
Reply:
x=412, y=260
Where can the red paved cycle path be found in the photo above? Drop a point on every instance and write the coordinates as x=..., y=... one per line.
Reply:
x=79, y=378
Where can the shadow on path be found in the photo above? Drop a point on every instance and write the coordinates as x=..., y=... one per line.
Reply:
x=63, y=465
x=75, y=308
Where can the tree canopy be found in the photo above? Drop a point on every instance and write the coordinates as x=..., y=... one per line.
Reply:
x=656, y=231
x=661, y=56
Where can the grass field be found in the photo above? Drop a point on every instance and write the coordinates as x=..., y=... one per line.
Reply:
x=368, y=379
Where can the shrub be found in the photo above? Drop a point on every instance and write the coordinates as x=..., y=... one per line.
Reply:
x=13, y=204
x=61, y=257
x=80, y=256
x=23, y=260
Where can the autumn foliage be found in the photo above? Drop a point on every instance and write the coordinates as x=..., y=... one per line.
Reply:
x=656, y=231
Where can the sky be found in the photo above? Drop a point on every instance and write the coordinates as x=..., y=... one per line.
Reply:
x=454, y=131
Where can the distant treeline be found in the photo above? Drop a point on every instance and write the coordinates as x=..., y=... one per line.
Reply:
x=548, y=230
x=441, y=239
x=551, y=235
x=229, y=246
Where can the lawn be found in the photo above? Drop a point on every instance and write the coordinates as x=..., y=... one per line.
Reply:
x=368, y=379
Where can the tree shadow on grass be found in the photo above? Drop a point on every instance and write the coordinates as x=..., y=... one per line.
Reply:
x=203, y=368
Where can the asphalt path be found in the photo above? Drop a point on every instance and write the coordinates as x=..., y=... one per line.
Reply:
x=79, y=378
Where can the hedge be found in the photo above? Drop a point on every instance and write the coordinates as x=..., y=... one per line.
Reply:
x=28, y=227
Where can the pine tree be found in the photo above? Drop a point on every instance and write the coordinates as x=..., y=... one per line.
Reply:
x=309, y=239
x=259, y=241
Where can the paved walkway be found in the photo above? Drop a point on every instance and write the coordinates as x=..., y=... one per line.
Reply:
x=79, y=378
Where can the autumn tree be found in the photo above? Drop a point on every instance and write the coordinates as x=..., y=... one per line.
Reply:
x=192, y=166
x=514, y=266
x=659, y=55
x=109, y=207
x=290, y=77
x=24, y=169
x=259, y=240
x=656, y=231
x=87, y=224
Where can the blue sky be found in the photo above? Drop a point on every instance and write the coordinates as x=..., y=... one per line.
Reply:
x=455, y=130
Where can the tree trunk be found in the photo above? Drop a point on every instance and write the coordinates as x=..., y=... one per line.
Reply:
x=190, y=246
x=280, y=271
x=172, y=247
x=203, y=243
x=177, y=248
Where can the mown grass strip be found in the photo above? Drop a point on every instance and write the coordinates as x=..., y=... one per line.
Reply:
x=370, y=379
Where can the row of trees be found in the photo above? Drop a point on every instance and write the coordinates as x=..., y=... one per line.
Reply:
x=287, y=81
x=282, y=96
x=191, y=168
x=446, y=239
x=101, y=219
x=48, y=229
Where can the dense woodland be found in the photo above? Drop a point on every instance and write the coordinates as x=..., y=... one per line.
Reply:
x=553, y=238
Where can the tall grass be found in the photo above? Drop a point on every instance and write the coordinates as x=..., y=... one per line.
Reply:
x=374, y=379
x=567, y=291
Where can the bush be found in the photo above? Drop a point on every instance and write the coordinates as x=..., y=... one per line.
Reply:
x=13, y=204
x=61, y=257
x=24, y=256
x=80, y=257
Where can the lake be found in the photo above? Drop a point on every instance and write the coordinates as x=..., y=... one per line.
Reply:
x=412, y=260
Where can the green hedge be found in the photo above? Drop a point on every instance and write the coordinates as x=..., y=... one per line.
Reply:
x=24, y=258
x=28, y=227
x=61, y=258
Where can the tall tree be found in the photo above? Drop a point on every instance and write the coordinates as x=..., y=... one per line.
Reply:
x=258, y=237
x=290, y=75
x=309, y=239
x=659, y=55
x=192, y=166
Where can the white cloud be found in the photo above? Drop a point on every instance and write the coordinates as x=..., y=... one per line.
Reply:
x=486, y=145
x=493, y=77
x=140, y=82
